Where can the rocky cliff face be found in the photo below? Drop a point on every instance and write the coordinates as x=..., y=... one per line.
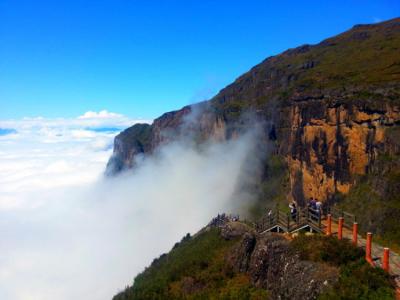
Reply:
x=326, y=109
x=330, y=144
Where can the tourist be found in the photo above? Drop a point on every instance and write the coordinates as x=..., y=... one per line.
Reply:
x=313, y=204
x=318, y=207
x=312, y=208
x=269, y=216
x=293, y=210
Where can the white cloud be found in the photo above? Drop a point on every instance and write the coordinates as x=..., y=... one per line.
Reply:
x=69, y=234
x=51, y=152
x=103, y=114
x=83, y=133
x=61, y=126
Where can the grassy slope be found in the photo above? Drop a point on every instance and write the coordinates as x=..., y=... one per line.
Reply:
x=358, y=280
x=194, y=269
x=361, y=64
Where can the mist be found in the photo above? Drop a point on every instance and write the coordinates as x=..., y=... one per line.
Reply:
x=88, y=239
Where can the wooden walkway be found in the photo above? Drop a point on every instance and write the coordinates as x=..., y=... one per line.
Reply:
x=311, y=220
x=279, y=221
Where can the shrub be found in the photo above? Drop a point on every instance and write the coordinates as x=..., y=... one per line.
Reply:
x=326, y=249
x=357, y=280
x=194, y=269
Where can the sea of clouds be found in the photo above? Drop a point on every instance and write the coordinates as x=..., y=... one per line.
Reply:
x=38, y=154
x=69, y=233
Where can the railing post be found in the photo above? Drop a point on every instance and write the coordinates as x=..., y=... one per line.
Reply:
x=368, y=248
x=329, y=225
x=319, y=219
x=340, y=228
x=385, y=260
x=355, y=233
x=288, y=222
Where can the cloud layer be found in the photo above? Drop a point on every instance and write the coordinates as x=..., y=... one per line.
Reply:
x=39, y=153
x=68, y=233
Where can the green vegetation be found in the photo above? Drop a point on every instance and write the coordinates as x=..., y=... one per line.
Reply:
x=376, y=197
x=359, y=64
x=194, y=269
x=375, y=213
x=324, y=249
x=273, y=187
x=358, y=280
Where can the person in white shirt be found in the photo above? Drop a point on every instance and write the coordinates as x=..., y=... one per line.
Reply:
x=319, y=207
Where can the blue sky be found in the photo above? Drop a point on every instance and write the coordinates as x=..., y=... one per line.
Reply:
x=142, y=58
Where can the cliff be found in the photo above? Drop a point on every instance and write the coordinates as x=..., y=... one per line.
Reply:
x=329, y=111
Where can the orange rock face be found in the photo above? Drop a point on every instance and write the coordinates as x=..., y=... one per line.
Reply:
x=327, y=153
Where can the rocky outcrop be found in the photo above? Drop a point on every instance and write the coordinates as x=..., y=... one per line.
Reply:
x=128, y=145
x=326, y=109
x=272, y=265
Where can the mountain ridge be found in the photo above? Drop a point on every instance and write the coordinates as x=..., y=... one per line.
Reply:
x=330, y=116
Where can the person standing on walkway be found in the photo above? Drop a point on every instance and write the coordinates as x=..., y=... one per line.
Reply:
x=312, y=204
x=293, y=210
x=269, y=216
x=318, y=207
x=312, y=209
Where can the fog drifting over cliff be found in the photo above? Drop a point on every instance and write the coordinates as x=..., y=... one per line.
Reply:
x=68, y=233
